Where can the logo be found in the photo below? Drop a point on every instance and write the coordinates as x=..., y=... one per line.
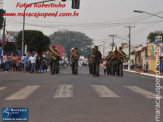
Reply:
x=14, y=114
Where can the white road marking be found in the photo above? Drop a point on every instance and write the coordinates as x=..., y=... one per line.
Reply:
x=143, y=92
x=23, y=93
x=1, y=88
x=103, y=91
x=64, y=91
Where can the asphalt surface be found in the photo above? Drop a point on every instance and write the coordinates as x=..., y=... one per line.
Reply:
x=80, y=98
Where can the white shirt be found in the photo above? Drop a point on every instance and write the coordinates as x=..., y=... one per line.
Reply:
x=5, y=58
x=32, y=59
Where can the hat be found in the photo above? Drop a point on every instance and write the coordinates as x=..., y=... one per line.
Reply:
x=72, y=48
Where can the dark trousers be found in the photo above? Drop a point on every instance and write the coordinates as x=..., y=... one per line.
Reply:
x=32, y=67
x=96, y=68
x=115, y=67
x=121, y=68
x=54, y=67
x=74, y=67
x=90, y=67
x=108, y=67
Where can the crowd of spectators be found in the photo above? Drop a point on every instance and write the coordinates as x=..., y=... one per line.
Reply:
x=137, y=66
x=33, y=62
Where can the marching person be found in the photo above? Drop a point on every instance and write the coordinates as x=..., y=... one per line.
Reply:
x=53, y=53
x=109, y=63
x=74, y=59
x=115, y=65
x=97, y=59
x=90, y=60
x=57, y=62
x=120, y=62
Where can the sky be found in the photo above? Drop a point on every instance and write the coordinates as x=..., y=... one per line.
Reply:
x=97, y=19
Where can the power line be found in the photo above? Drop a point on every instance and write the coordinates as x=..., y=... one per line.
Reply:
x=113, y=36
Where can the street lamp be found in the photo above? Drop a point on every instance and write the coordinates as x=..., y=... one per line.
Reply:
x=138, y=11
x=24, y=21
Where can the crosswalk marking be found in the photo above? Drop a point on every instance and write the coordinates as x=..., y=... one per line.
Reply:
x=103, y=91
x=64, y=91
x=141, y=91
x=23, y=93
x=1, y=88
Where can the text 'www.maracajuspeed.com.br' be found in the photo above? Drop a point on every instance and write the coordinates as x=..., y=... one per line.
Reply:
x=37, y=14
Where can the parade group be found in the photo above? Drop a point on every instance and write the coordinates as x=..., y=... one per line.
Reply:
x=35, y=62
x=114, y=61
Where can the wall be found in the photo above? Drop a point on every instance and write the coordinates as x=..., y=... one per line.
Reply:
x=152, y=64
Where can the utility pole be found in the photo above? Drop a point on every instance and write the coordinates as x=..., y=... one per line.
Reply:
x=113, y=36
x=129, y=49
x=103, y=47
x=4, y=30
x=23, y=31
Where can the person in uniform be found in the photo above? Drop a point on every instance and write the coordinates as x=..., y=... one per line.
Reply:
x=97, y=59
x=109, y=63
x=54, y=62
x=90, y=61
x=57, y=62
x=115, y=65
x=74, y=59
x=120, y=63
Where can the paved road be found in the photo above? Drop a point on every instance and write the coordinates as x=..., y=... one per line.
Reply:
x=82, y=98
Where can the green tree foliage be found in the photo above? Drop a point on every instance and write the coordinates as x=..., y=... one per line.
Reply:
x=35, y=40
x=152, y=35
x=70, y=39
x=1, y=18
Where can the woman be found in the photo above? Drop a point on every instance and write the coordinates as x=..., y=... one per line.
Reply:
x=9, y=58
x=14, y=62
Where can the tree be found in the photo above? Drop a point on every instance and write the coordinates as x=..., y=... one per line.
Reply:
x=35, y=40
x=152, y=35
x=1, y=18
x=70, y=39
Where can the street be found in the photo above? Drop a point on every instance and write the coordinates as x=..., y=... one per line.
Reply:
x=80, y=98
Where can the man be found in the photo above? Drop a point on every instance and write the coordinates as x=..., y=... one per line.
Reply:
x=74, y=59
x=57, y=62
x=32, y=60
x=90, y=60
x=109, y=63
x=120, y=63
x=97, y=59
x=24, y=61
x=54, y=61
x=115, y=65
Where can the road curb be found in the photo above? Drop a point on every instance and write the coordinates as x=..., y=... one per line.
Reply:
x=144, y=73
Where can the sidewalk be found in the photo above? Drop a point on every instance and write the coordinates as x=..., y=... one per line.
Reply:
x=150, y=73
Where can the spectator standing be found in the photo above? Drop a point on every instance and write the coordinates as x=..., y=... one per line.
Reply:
x=5, y=62
x=32, y=60
x=9, y=56
x=24, y=63
x=14, y=62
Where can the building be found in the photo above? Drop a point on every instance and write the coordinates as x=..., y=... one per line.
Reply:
x=141, y=55
x=125, y=48
x=151, y=47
